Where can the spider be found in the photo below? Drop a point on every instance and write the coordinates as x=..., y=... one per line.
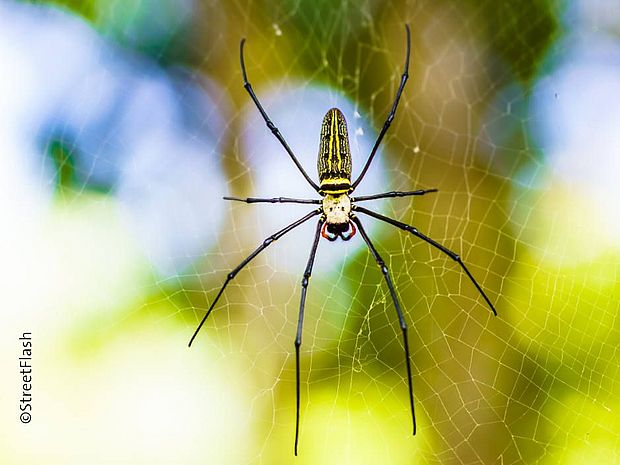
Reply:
x=337, y=213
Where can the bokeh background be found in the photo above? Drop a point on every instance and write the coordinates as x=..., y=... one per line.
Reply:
x=122, y=125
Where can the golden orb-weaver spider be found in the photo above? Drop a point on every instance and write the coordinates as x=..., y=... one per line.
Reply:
x=337, y=212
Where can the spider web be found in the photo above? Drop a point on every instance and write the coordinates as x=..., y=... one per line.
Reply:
x=122, y=241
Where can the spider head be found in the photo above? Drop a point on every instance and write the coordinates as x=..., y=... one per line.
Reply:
x=337, y=209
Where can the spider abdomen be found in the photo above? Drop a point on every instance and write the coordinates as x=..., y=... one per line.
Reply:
x=334, y=161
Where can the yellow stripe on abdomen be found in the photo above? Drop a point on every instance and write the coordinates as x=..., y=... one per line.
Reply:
x=334, y=160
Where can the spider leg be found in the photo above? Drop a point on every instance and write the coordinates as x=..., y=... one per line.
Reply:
x=259, y=249
x=392, y=194
x=454, y=256
x=274, y=200
x=272, y=127
x=401, y=318
x=300, y=322
x=390, y=118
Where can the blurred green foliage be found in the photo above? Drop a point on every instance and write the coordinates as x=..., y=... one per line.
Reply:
x=519, y=32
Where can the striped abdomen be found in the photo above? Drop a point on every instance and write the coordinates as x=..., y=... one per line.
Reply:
x=334, y=154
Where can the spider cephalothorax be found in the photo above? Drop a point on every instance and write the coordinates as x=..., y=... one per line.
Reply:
x=337, y=211
x=337, y=214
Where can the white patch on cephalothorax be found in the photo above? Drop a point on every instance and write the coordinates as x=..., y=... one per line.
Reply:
x=337, y=208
